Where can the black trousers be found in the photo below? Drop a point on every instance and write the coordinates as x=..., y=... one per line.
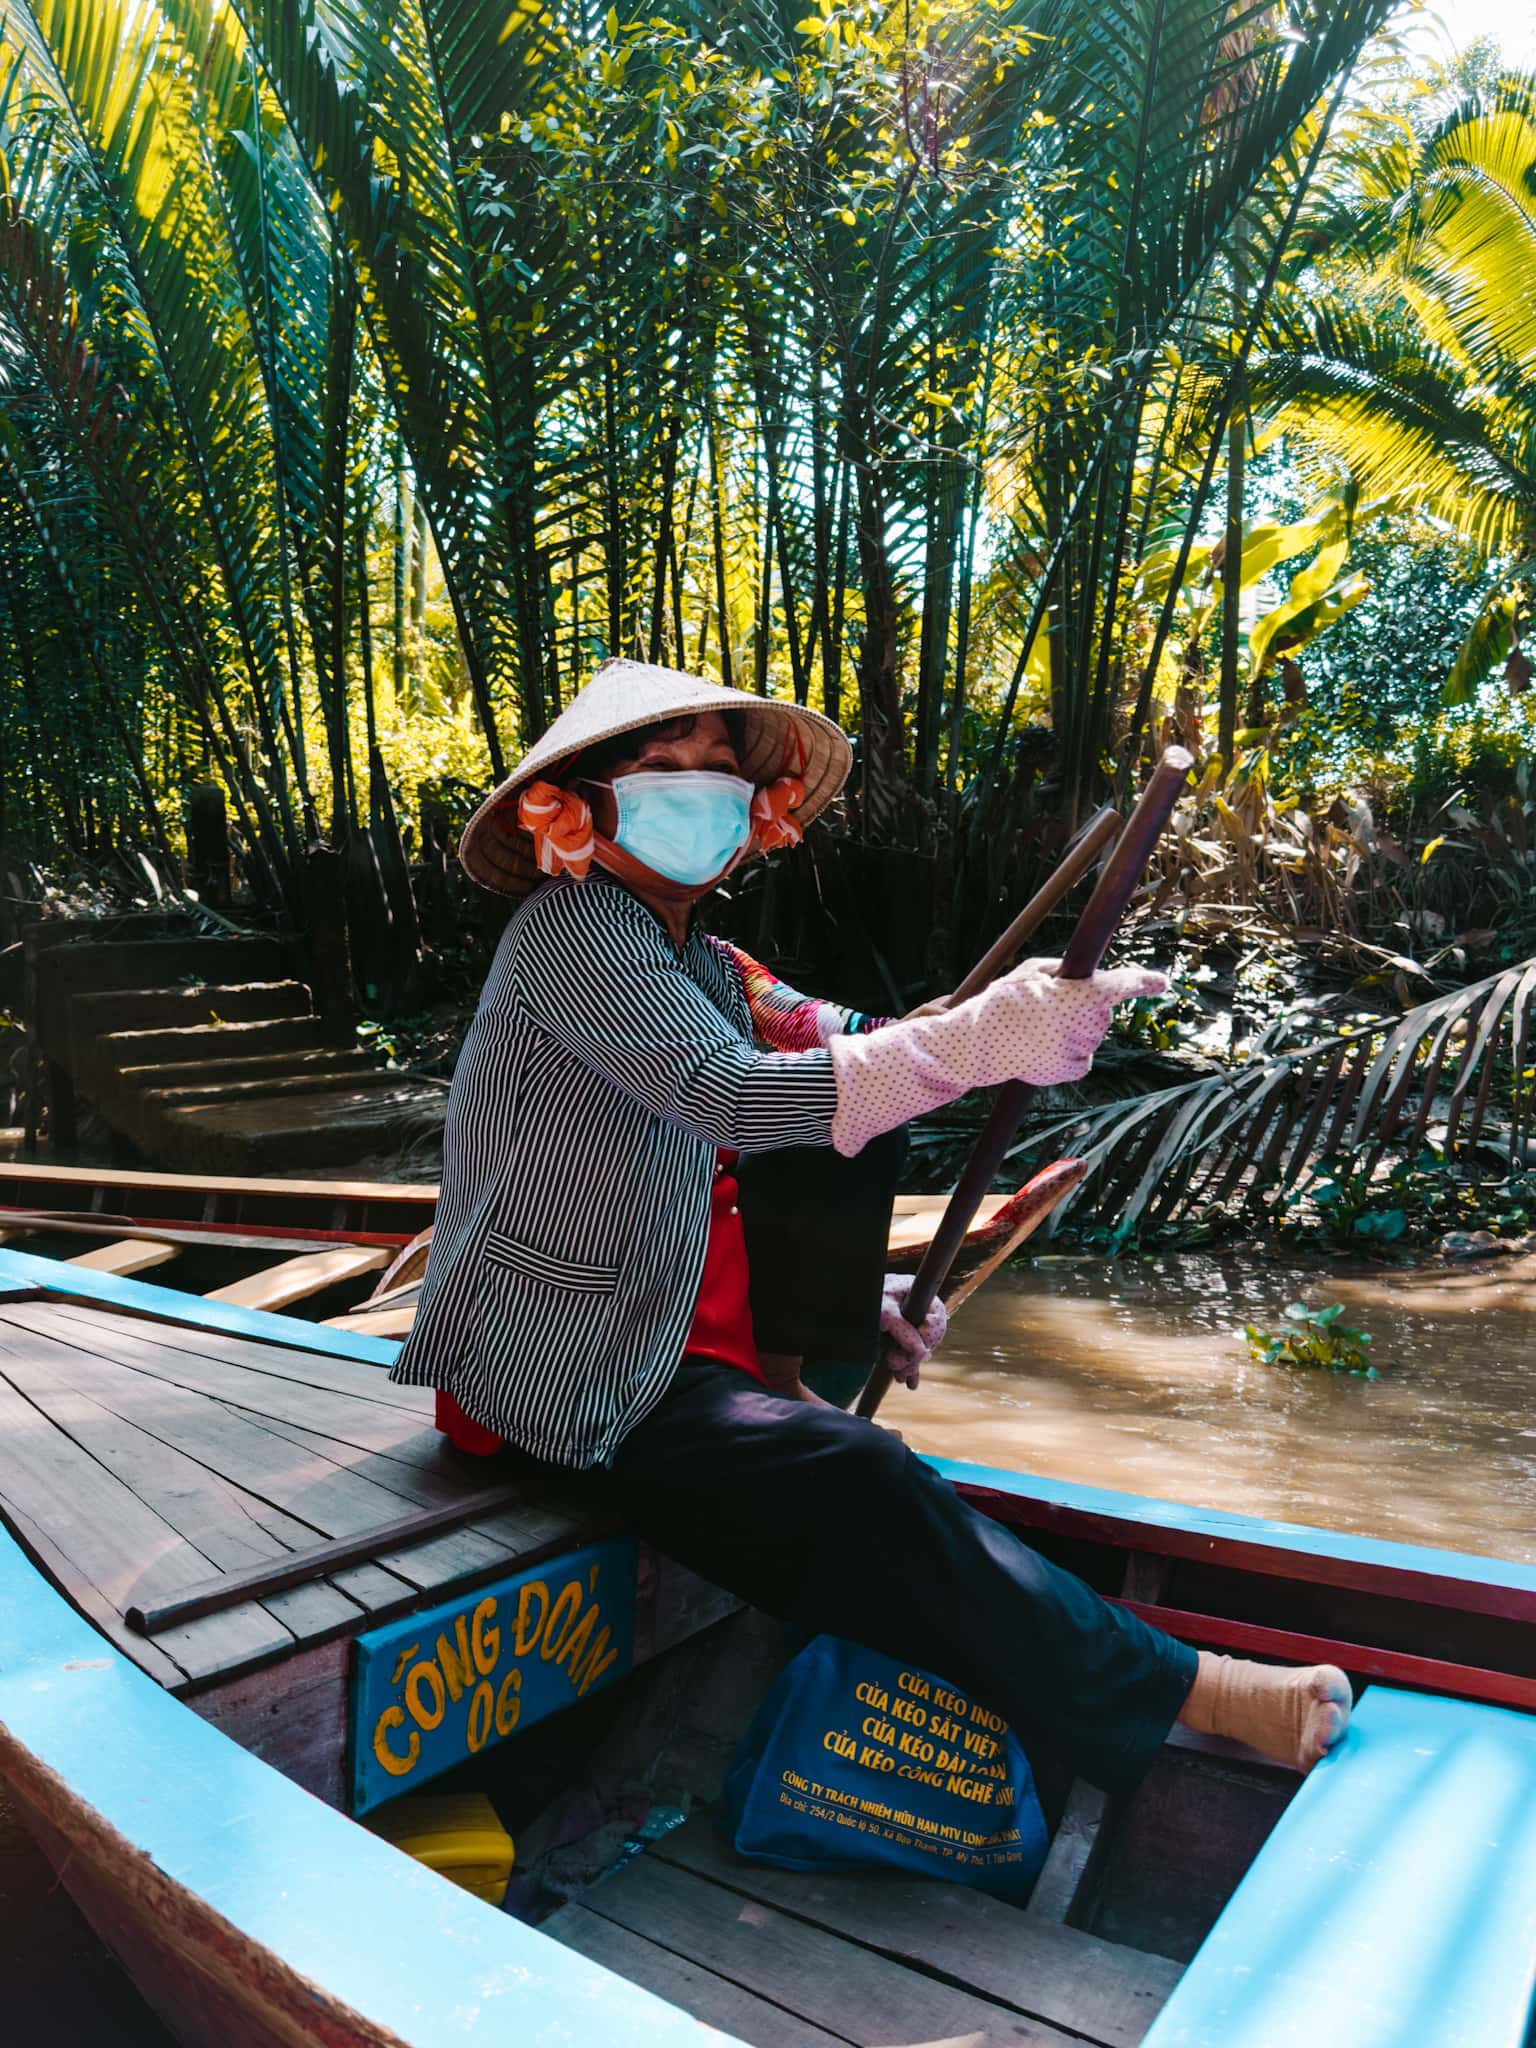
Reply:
x=834, y=1525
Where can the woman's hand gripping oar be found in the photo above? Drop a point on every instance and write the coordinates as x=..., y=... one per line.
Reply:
x=1084, y=950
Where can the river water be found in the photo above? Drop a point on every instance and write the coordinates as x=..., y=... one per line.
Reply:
x=1134, y=1374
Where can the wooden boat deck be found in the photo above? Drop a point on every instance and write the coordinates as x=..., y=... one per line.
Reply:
x=784, y=1960
x=139, y=1459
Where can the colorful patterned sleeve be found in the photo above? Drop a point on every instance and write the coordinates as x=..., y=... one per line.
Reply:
x=787, y=1021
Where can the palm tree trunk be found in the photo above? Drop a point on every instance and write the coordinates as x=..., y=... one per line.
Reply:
x=717, y=531
x=1231, y=588
x=879, y=662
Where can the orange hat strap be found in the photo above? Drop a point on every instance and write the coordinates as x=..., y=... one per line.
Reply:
x=559, y=822
x=772, y=822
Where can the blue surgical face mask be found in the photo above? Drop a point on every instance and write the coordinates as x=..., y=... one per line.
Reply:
x=685, y=823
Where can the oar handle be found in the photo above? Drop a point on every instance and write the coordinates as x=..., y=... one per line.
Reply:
x=1079, y=857
x=1084, y=950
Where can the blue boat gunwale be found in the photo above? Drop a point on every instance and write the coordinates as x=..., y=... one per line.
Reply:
x=1468, y=1580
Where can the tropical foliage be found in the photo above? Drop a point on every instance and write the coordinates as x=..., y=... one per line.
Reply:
x=367, y=373
x=1317, y=1121
x=1415, y=367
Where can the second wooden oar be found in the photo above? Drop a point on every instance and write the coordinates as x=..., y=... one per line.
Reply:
x=1084, y=950
x=1079, y=857
x=299, y=1567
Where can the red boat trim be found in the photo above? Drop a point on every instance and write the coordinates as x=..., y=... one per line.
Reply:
x=38, y=1222
x=1427, y=1674
x=1207, y=1543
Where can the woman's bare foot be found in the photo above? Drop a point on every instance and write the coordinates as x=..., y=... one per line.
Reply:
x=1295, y=1716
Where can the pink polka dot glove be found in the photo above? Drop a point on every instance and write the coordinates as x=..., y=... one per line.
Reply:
x=1027, y=1026
x=908, y=1347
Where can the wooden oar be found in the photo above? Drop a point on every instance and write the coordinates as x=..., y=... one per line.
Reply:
x=1079, y=857
x=1084, y=950
x=1041, y=1195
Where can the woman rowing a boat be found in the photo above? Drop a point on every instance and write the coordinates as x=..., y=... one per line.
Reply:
x=592, y=1296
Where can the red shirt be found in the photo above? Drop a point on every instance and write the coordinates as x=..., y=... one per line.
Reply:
x=722, y=1316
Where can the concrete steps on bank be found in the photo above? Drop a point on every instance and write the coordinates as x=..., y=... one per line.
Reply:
x=329, y=1127
x=206, y=1053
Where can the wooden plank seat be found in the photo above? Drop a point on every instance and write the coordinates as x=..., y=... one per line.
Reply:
x=125, y=1255
x=1394, y=1905
x=278, y=1287
x=785, y=1956
x=393, y=1322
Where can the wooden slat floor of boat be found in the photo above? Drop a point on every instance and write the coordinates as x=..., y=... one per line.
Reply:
x=782, y=1958
x=138, y=1459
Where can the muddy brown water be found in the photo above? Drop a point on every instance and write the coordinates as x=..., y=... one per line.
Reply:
x=1135, y=1375
x=1131, y=1375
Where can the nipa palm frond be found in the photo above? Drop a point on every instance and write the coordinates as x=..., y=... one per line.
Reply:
x=1452, y=1073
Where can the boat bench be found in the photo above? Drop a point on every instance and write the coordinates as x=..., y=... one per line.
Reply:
x=1394, y=1905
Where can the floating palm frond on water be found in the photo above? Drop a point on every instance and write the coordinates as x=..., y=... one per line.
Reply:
x=1453, y=1073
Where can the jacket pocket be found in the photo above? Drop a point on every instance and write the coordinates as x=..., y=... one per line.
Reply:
x=563, y=1274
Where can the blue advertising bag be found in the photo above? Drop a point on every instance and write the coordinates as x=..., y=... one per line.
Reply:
x=856, y=1761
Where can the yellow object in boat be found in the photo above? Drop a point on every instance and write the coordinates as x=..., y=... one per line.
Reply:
x=456, y=1834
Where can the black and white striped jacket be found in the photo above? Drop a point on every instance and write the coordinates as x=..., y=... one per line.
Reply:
x=603, y=1068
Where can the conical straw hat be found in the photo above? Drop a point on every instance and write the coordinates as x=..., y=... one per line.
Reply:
x=623, y=695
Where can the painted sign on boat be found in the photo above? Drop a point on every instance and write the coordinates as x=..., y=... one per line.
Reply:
x=444, y=1684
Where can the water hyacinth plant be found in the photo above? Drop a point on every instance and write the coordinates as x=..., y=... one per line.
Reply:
x=1316, y=1339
